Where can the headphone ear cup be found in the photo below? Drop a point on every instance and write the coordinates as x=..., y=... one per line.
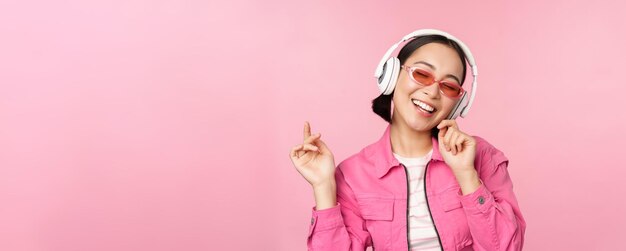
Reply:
x=389, y=77
x=459, y=107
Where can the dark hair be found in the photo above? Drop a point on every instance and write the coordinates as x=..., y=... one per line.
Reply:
x=381, y=105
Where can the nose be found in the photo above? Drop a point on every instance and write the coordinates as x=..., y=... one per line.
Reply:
x=431, y=90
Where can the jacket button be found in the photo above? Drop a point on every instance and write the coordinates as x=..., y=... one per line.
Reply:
x=312, y=220
x=481, y=200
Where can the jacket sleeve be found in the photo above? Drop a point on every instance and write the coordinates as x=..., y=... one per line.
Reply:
x=340, y=227
x=493, y=214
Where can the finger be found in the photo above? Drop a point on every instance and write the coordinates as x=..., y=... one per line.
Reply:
x=446, y=139
x=444, y=123
x=441, y=135
x=322, y=146
x=307, y=130
x=459, y=142
x=307, y=153
x=444, y=127
x=447, y=123
x=310, y=147
x=294, y=152
x=452, y=142
x=301, y=150
x=312, y=138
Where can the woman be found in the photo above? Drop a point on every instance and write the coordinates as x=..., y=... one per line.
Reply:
x=425, y=185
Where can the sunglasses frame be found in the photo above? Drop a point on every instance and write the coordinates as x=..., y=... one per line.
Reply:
x=410, y=71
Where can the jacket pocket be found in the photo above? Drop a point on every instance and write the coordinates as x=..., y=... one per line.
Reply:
x=455, y=219
x=377, y=211
x=376, y=207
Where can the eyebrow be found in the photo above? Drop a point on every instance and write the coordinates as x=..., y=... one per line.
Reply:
x=434, y=69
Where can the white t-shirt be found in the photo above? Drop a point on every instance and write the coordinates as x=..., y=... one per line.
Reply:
x=422, y=234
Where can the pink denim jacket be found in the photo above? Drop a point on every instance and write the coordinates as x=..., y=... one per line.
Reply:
x=372, y=203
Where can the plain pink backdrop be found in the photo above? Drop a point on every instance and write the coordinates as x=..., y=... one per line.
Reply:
x=166, y=125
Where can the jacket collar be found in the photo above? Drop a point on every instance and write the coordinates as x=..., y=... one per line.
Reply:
x=384, y=155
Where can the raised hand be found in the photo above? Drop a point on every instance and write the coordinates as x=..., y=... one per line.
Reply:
x=313, y=159
x=457, y=148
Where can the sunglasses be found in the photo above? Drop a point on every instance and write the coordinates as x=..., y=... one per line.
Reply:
x=425, y=78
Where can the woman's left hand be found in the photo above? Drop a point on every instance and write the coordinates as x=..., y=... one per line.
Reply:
x=457, y=148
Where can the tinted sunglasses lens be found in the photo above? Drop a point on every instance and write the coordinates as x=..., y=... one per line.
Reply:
x=450, y=89
x=423, y=77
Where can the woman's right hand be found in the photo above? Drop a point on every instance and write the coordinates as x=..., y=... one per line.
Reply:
x=313, y=159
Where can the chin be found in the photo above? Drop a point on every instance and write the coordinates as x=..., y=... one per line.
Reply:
x=417, y=125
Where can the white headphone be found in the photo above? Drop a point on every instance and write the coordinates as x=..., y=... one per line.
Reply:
x=389, y=68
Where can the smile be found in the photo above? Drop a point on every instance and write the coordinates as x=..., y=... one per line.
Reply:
x=426, y=107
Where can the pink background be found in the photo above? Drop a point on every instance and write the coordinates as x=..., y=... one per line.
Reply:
x=166, y=125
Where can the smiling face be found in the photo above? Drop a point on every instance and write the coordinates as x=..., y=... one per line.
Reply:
x=413, y=101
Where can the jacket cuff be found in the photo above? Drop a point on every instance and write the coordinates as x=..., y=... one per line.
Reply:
x=325, y=219
x=478, y=201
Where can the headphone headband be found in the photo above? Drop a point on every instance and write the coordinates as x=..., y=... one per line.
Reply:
x=426, y=32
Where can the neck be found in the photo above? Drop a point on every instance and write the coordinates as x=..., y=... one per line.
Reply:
x=407, y=142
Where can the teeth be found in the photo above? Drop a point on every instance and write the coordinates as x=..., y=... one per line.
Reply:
x=423, y=105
